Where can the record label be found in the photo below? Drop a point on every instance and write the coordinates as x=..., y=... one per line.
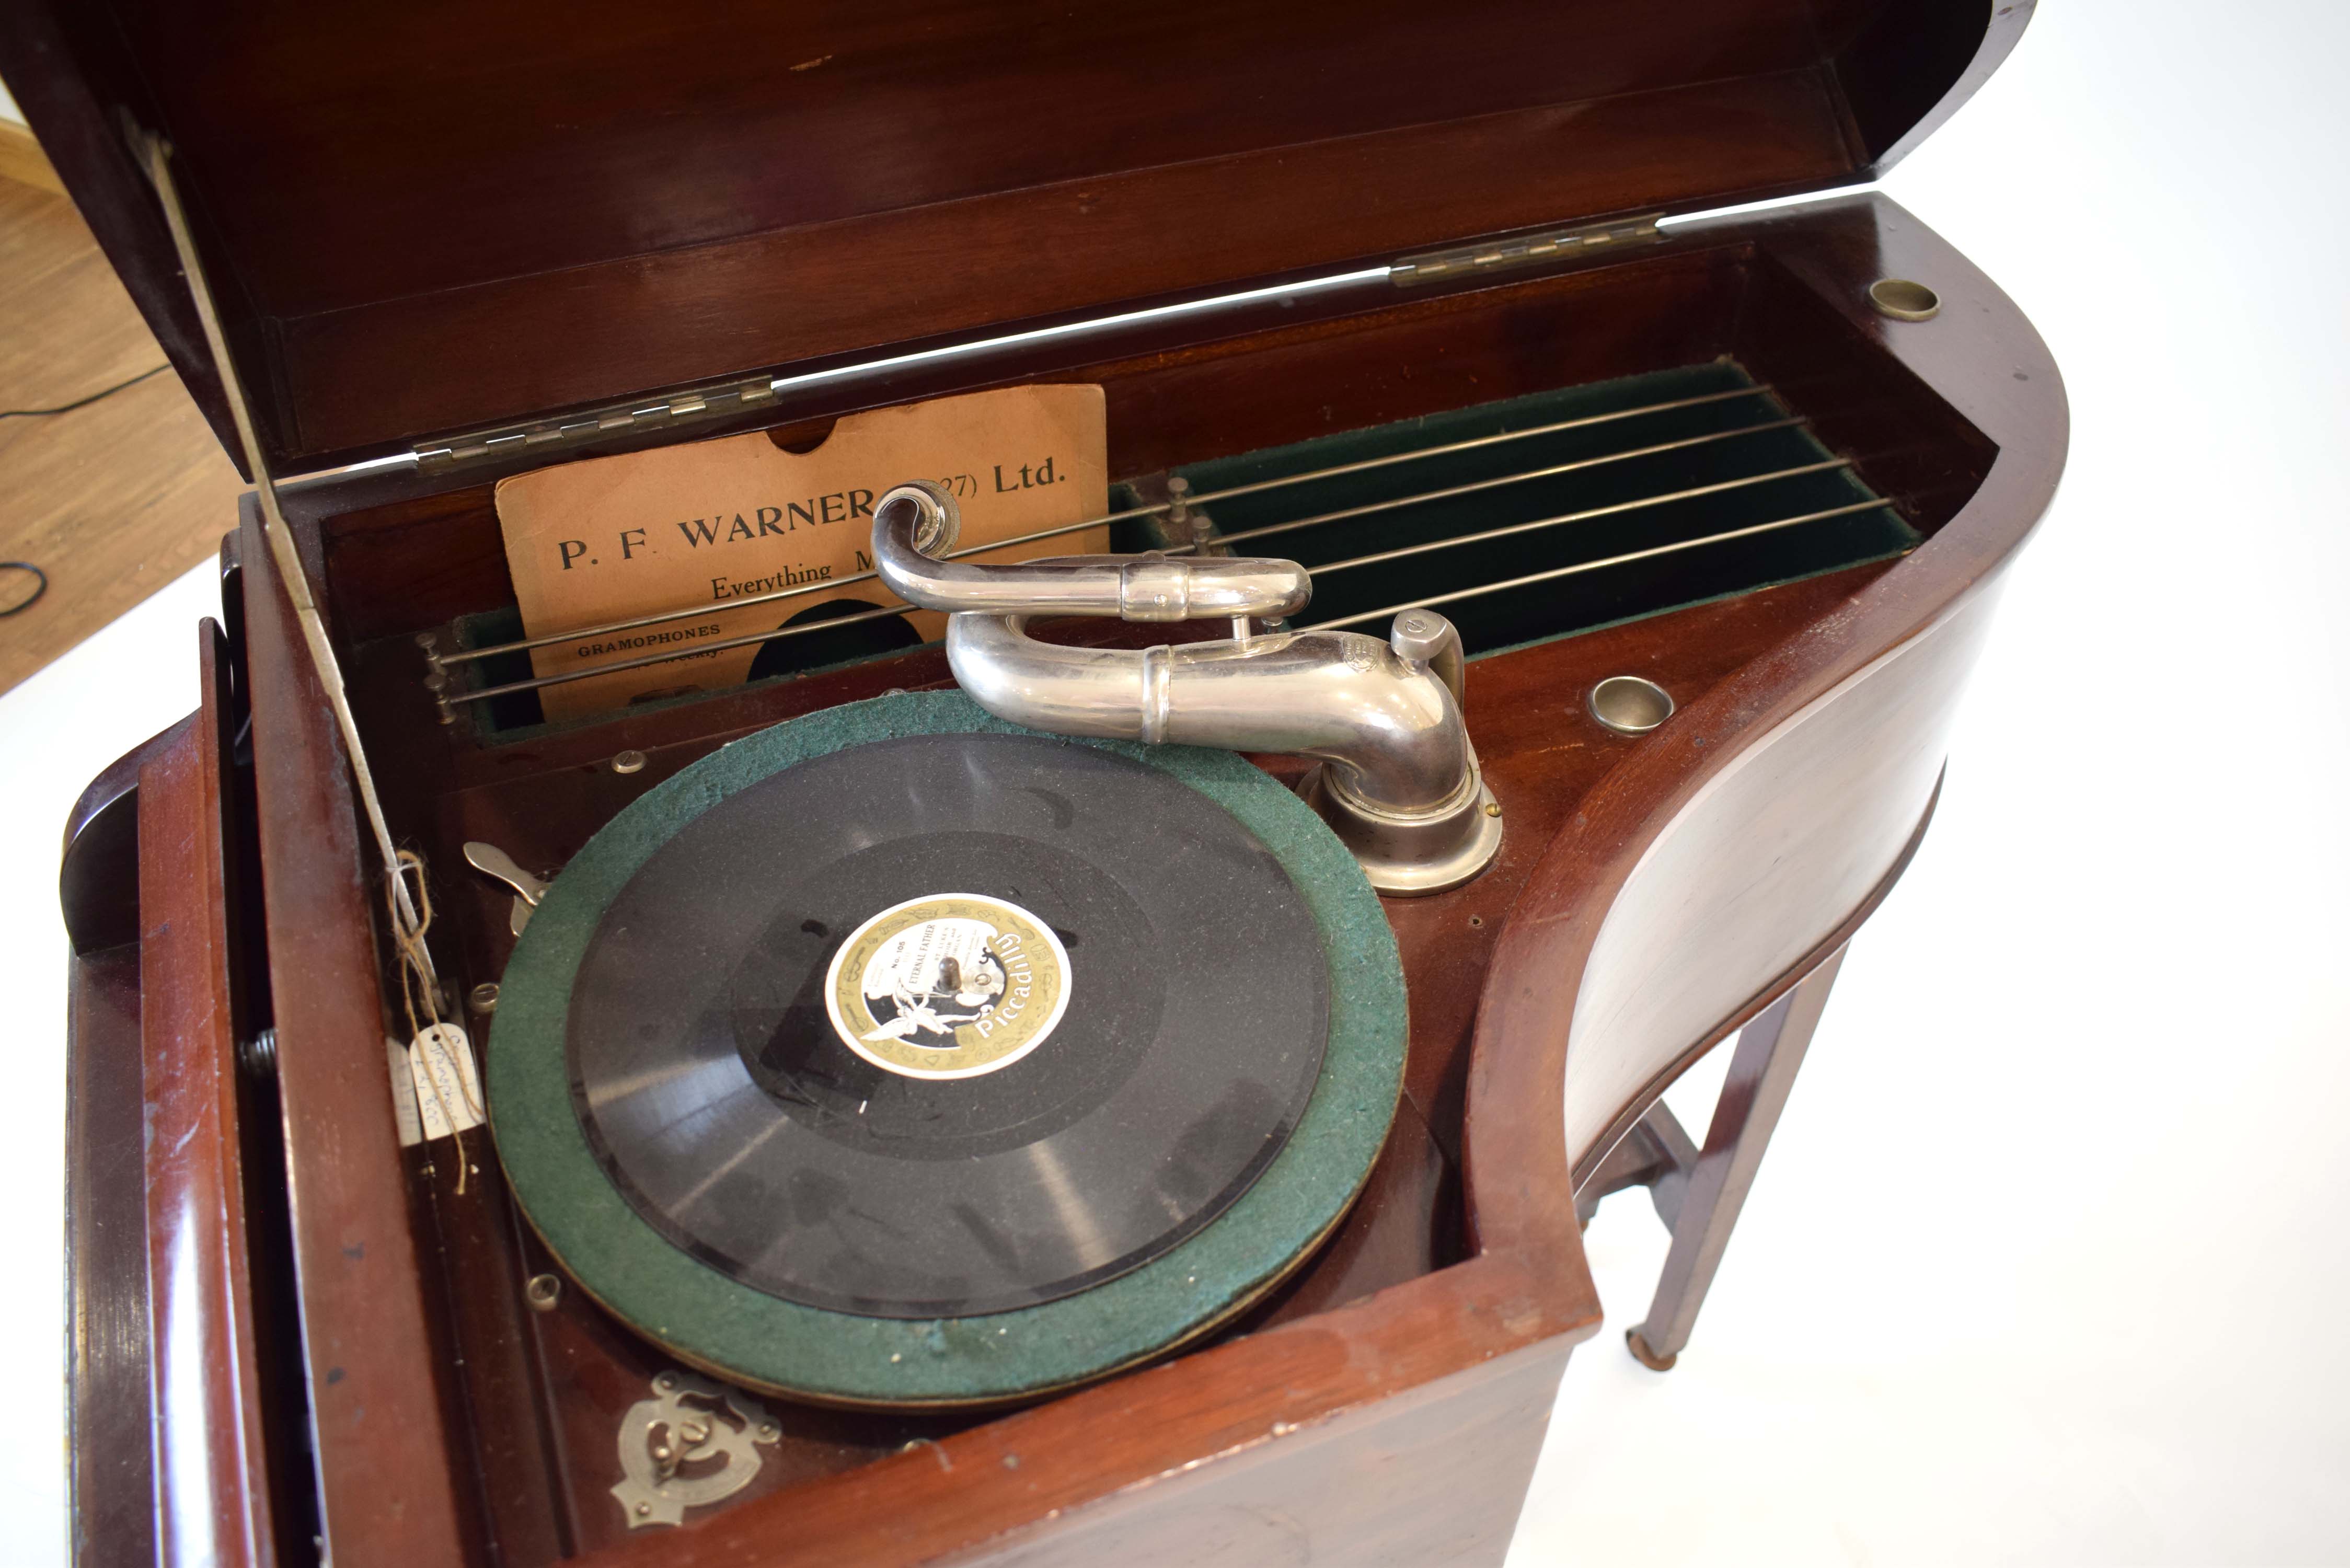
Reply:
x=955, y=985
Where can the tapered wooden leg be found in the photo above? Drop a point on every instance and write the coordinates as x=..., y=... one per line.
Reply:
x=1761, y=1071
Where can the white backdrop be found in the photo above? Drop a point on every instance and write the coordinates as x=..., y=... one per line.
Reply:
x=2045, y=1265
x=2047, y=1262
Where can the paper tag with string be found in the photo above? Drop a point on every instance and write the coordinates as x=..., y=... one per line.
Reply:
x=403, y=1093
x=448, y=1093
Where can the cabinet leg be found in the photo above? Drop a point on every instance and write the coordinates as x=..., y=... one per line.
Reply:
x=1761, y=1071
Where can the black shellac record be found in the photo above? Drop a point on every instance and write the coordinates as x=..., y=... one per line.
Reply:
x=732, y=1112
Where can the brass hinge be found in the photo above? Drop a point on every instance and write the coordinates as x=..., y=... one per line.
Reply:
x=663, y=411
x=1523, y=250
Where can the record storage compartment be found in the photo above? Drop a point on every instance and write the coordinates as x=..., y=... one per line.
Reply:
x=1695, y=318
x=1557, y=513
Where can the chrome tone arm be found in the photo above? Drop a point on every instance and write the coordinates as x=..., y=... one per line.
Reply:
x=1399, y=781
x=1392, y=734
x=915, y=524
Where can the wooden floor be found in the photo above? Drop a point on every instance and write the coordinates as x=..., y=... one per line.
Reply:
x=114, y=499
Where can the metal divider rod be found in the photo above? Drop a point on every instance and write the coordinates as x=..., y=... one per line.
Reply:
x=524, y=645
x=1503, y=532
x=748, y=640
x=1446, y=449
x=1533, y=578
x=474, y=654
x=1474, y=487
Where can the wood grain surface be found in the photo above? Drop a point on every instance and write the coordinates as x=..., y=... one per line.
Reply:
x=379, y=1419
x=114, y=499
x=1760, y=867
x=213, y=1501
x=109, y=1437
x=66, y=327
x=22, y=160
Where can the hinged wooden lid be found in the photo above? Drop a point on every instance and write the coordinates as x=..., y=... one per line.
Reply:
x=449, y=217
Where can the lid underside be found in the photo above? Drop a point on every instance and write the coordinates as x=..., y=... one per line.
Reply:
x=477, y=214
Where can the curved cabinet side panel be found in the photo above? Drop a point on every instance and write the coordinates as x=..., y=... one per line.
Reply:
x=1435, y=1474
x=1763, y=864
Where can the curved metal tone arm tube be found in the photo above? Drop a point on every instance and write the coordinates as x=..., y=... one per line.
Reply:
x=1390, y=734
x=1398, y=782
x=915, y=524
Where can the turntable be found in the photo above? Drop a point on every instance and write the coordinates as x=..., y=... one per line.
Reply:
x=879, y=1060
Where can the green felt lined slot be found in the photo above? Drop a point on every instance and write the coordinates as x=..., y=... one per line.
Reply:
x=1730, y=447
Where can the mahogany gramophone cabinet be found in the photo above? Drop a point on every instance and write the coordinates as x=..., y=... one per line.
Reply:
x=451, y=245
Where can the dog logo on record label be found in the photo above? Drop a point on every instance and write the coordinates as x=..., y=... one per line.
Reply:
x=949, y=986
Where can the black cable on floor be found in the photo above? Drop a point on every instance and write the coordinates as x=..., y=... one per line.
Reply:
x=81, y=402
x=40, y=577
x=40, y=587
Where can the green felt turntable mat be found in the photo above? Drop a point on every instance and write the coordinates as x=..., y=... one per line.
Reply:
x=710, y=1319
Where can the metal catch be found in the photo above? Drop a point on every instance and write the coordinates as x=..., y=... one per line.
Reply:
x=689, y=1421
